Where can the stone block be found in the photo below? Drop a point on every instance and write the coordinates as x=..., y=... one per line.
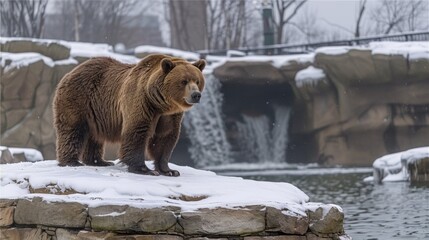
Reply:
x=221, y=221
x=116, y=218
x=146, y=237
x=23, y=233
x=7, y=202
x=57, y=214
x=6, y=216
x=286, y=221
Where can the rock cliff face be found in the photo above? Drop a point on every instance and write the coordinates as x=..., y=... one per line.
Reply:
x=30, y=71
x=28, y=82
x=350, y=105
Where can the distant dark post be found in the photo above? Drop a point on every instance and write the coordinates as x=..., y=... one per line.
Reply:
x=267, y=18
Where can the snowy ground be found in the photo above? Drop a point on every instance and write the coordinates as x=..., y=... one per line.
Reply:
x=194, y=189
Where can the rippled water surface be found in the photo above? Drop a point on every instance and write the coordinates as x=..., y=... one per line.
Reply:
x=388, y=211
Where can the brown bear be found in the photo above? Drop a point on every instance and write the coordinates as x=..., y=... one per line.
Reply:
x=139, y=105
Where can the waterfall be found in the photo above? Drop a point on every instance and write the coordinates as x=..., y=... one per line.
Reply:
x=261, y=142
x=206, y=129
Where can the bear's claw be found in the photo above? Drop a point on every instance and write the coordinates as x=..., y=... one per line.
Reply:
x=143, y=171
x=171, y=173
x=70, y=164
x=100, y=163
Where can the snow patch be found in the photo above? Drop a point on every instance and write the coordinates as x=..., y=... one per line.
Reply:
x=112, y=214
x=31, y=154
x=412, y=50
x=309, y=76
x=114, y=185
x=10, y=61
x=168, y=51
x=313, y=206
x=89, y=50
x=338, y=50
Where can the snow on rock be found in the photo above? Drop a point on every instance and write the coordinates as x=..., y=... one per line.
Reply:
x=394, y=167
x=30, y=154
x=147, y=49
x=337, y=50
x=276, y=61
x=10, y=61
x=412, y=50
x=89, y=50
x=78, y=49
x=194, y=189
x=309, y=76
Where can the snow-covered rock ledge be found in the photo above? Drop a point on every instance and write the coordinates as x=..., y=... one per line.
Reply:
x=40, y=198
x=411, y=165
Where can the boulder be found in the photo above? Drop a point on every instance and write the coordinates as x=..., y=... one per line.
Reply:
x=222, y=221
x=56, y=214
x=325, y=219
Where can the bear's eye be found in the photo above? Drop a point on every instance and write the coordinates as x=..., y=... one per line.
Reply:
x=197, y=82
x=184, y=82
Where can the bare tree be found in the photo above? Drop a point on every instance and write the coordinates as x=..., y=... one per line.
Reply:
x=227, y=23
x=418, y=16
x=108, y=21
x=210, y=24
x=284, y=11
x=23, y=18
x=400, y=16
x=187, y=20
x=362, y=4
x=307, y=25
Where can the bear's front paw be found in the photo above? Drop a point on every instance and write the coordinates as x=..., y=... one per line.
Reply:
x=70, y=164
x=143, y=171
x=100, y=163
x=171, y=173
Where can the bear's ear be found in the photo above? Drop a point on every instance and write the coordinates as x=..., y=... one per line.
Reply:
x=200, y=64
x=167, y=65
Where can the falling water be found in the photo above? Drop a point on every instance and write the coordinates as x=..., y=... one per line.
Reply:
x=264, y=142
x=206, y=129
x=260, y=139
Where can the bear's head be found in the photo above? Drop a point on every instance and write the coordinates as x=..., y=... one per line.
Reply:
x=183, y=83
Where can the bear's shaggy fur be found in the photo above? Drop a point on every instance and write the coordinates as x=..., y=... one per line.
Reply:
x=139, y=105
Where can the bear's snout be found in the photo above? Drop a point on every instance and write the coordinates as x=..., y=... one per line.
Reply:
x=196, y=96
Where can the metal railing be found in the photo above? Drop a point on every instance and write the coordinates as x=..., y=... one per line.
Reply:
x=280, y=49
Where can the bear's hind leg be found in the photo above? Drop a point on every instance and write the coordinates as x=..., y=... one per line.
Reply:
x=70, y=144
x=93, y=153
